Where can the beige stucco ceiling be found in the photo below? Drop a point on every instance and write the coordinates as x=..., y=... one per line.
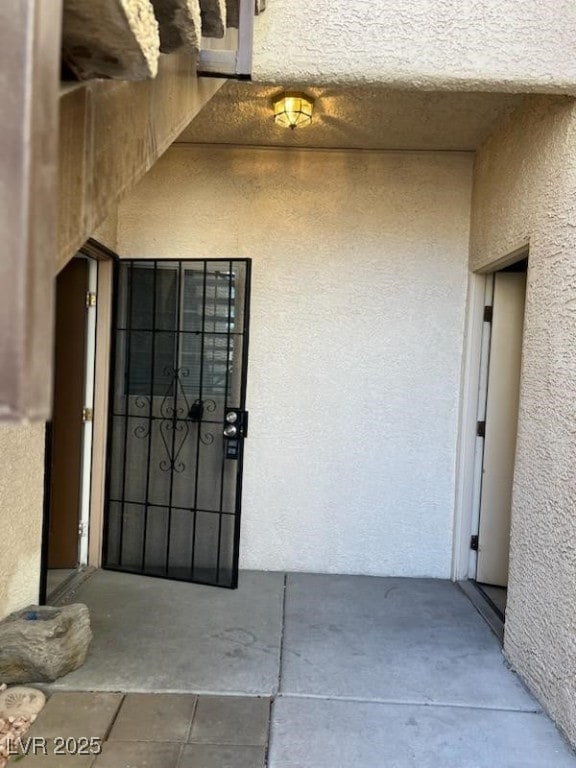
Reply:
x=360, y=117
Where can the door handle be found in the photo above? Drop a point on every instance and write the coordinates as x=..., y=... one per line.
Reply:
x=236, y=425
x=230, y=431
x=234, y=430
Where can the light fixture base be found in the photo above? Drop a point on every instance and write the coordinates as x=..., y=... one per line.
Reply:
x=293, y=109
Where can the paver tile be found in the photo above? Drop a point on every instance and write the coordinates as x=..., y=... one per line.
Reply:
x=154, y=717
x=138, y=754
x=222, y=756
x=77, y=714
x=239, y=720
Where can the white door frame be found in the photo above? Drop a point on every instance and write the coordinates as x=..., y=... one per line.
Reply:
x=88, y=408
x=466, y=456
x=100, y=399
x=500, y=414
x=472, y=401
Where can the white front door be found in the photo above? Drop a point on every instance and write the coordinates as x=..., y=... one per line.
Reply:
x=501, y=427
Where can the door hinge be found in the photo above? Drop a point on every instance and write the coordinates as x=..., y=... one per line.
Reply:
x=474, y=543
x=90, y=299
x=87, y=415
x=481, y=429
x=488, y=314
x=83, y=529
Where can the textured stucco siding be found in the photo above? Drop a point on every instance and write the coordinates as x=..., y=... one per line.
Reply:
x=22, y=493
x=511, y=45
x=21, y=498
x=358, y=300
x=525, y=191
x=107, y=232
x=111, y=133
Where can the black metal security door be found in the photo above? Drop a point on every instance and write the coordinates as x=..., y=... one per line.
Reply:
x=177, y=419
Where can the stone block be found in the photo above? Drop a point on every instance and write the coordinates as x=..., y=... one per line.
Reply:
x=222, y=756
x=74, y=714
x=213, y=13
x=237, y=720
x=180, y=25
x=123, y=754
x=41, y=643
x=154, y=717
x=118, y=39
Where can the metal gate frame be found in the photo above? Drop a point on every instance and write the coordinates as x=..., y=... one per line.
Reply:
x=243, y=414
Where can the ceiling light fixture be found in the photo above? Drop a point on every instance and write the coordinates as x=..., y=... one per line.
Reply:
x=293, y=110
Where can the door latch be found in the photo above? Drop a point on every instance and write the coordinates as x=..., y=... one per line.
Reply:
x=196, y=411
x=235, y=430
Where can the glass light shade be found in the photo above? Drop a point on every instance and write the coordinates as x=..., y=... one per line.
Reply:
x=292, y=110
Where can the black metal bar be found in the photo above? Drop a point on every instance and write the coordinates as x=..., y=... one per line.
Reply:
x=128, y=350
x=175, y=408
x=243, y=385
x=245, y=333
x=46, y=516
x=221, y=378
x=111, y=416
x=126, y=569
x=163, y=418
x=150, y=408
x=200, y=393
x=175, y=506
x=226, y=388
x=183, y=332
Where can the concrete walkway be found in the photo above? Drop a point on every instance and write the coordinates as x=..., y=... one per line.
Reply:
x=363, y=672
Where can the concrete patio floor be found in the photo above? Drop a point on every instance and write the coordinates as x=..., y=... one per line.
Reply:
x=370, y=672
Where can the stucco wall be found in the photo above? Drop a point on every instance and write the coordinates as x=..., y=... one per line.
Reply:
x=107, y=232
x=525, y=191
x=521, y=45
x=21, y=498
x=22, y=490
x=111, y=132
x=359, y=282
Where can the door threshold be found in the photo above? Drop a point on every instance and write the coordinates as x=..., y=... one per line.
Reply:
x=496, y=596
x=484, y=606
x=67, y=588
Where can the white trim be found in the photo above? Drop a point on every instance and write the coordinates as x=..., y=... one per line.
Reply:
x=100, y=426
x=86, y=471
x=486, y=336
x=467, y=441
x=245, y=38
x=211, y=62
x=470, y=450
x=214, y=60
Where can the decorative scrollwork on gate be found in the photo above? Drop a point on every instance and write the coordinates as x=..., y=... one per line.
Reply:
x=176, y=415
x=175, y=426
x=142, y=403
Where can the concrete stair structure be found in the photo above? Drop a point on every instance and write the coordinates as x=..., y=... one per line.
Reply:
x=123, y=39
